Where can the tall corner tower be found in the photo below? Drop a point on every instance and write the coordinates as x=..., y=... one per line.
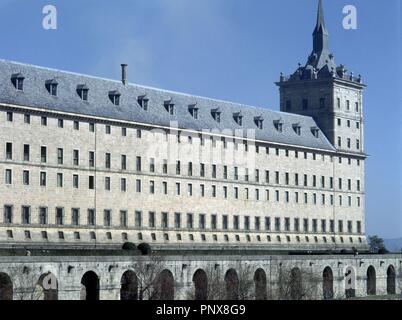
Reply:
x=328, y=93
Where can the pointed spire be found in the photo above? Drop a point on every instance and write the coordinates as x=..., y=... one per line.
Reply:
x=320, y=35
x=320, y=27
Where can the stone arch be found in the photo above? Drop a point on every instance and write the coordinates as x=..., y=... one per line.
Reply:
x=90, y=286
x=164, y=286
x=296, y=284
x=260, y=283
x=328, y=283
x=6, y=287
x=232, y=285
x=391, y=278
x=49, y=285
x=200, y=280
x=350, y=282
x=129, y=286
x=371, y=281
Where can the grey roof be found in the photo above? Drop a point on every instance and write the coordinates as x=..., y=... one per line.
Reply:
x=99, y=104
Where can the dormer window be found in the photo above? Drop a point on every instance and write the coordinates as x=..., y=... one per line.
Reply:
x=216, y=114
x=259, y=122
x=114, y=96
x=193, y=109
x=238, y=118
x=82, y=91
x=143, y=102
x=18, y=81
x=51, y=87
x=169, y=106
x=315, y=131
x=278, y=124
x=297, y=129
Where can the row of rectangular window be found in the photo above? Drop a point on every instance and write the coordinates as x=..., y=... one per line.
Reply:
x=138, y=188
x=165, y=223
x=202, y=140
x=138, y=166
x=322, y=104
x=124, y=237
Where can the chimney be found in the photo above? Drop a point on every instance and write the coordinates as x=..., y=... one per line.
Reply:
x=124, y=74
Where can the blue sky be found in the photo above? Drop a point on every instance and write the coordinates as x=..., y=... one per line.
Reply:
x=232, y=50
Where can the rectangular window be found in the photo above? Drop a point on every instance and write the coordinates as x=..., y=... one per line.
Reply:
x=164, y=187
x=190, y=221
x=177, y=220
x=107, y=218
x=151, y=187
x=225, y=172
x=152, y=165
x=59, y=156
x=297, y=224
x=151, y=219
x=107, y=183
x=26, y=152
x=190, y=169
x=177, y=188
x=165, y=167
x=267, y=223
x=26, y=215
x=59, y=180
x=138, y=185
x=165, y=221
x=202, y=190
x=214, y=171
x=42, y=179
x=225, y=223
x=91, y=217
x=91, y=159
x=138, y=219
x=138, y=164
x=25, y=177
x=178, y=167
x=123, y=132
x=123, y=184
x=59, y=216
x=287, y=224
x=123, y=218
x=277, y=224
x=107, y=160
x=8, y=214
x=75, y=181
x=340, y=226
x=9, y=151
x=246, y=223
x=236, y=173
x=76, y=157
x=315, y=226
x=123, y=162
x=75, y=217
x=305, y=225
x=189, y=189
x=108, y=129
x=236, y=222
x=8, y=176
x=43, y=216
x=60, y=123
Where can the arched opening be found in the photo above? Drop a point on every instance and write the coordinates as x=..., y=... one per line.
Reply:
x=164, y=286
x=90, y=286
x=350, y=283
x=129, y=286
x=49, y=286
x=371, y=281
x=296, y=284
x=260, y=283
x=200, y=281
x=6, y=287
x=391, y=277
x=232, y=285
x=328, y=283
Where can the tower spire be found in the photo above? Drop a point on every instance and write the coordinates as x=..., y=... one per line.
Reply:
x=320, y=34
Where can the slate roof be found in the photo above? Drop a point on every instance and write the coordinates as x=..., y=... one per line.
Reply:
x=35, y=94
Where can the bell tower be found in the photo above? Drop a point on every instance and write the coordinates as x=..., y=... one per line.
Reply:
x=328, y=93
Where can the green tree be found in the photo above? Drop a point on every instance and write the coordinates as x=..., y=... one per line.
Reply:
x=377, y=245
